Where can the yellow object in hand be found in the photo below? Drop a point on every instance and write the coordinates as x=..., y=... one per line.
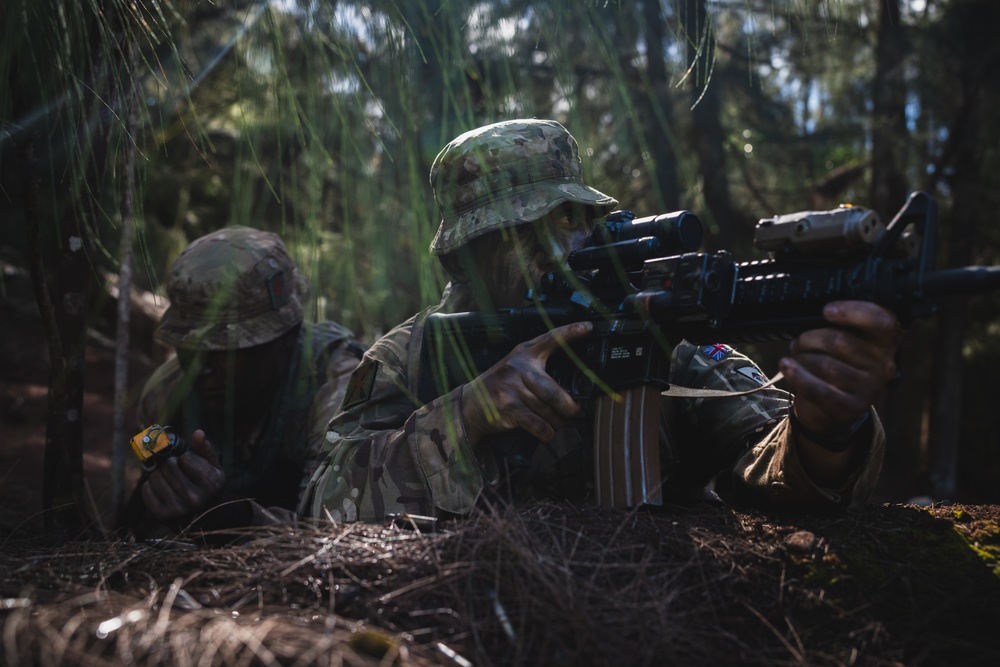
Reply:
x=156, y=443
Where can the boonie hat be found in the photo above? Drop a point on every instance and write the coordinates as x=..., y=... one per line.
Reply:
x=504, y=175
x=233, y=288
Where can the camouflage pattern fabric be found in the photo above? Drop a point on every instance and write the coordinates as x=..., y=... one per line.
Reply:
x=506, y=174
x=274, y=465
x=234, y=288
x=387, y=454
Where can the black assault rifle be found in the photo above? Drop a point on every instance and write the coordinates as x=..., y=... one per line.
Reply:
x=644, y=288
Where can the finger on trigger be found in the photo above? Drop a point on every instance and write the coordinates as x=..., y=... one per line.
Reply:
x=550, y=341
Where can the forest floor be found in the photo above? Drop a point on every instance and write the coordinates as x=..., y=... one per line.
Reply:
x=893, y=584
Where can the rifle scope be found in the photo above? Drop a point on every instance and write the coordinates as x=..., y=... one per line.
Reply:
x=680, y=231
x=624, y=242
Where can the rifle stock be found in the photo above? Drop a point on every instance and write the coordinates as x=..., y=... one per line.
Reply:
x=644, y=290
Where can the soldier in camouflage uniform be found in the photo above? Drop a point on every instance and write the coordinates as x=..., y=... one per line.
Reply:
x=513, y=203
x=252, y=387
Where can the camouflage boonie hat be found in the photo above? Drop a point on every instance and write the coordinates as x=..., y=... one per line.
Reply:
x=231, y=289
x=504, y=175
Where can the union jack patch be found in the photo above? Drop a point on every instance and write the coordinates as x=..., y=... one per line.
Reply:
x=718, y=351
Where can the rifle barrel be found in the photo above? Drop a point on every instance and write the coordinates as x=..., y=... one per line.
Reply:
x=962, y=281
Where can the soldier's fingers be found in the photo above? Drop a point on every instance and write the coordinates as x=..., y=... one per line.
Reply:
x=847, y=347
x=201, y=446
x=160, y=498
x=200, y=473
x=524, y=417
x=526, y=388
x=838, y=343
x=549, y=394
x=553, y=413
x=824, y=405
x=543, y=346
x=514, y=404
x=875, y=322
x=189, y=492
x=834, y=371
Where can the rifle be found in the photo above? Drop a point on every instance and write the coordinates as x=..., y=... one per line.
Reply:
x=644, y=288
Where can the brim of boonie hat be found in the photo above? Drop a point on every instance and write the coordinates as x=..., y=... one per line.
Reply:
x=180, y=331
x=518, y=206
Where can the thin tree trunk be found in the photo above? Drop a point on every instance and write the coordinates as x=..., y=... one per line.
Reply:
x=899, y=408
x=656, y=110
x=889, y=134
x=708, y=135
x=118, y=435
x=946, y=400
x=971, y=214
x=64, y=497
x=946, y=397
x=63, y=481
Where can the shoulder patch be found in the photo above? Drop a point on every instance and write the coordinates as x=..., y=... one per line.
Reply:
x=753, y=373
x=717, y=351
x=359, y=389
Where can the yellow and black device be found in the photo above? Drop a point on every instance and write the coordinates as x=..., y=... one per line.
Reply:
x=155, y=444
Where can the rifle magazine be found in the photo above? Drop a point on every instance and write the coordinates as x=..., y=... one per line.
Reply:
x=626, y=448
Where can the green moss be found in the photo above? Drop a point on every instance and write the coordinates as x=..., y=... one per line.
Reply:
x=983, y=538
x=902, y=560
x=821, y=572
x=960, y=515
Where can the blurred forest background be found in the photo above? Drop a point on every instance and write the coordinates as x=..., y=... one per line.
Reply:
x=131, y=127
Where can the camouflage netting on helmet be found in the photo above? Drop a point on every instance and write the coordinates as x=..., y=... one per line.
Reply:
x=234, y=288
x=507, y=174
x=550, y=585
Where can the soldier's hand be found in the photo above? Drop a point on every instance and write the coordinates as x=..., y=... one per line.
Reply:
x=185, y=484
x=516, y=392
x=837, y=373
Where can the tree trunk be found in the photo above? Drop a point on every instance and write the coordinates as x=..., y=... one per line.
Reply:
x=118, y=434
x=64, y=499
x=900, y=408
x=62, y=493
x=969, y=181
x=889, y=134
x=63, y=496
x=656, y=110
x=708, y=135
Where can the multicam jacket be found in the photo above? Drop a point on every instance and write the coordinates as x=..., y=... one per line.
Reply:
x=274, y=465
x=390, y=454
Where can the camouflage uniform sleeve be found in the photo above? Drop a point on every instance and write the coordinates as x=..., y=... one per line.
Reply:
x=326, y=404
x=772, y=475
x=749, y=439
x=386, y=455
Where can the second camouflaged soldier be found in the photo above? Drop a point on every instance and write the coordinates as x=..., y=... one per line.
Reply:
x=252, y=387
x=513, y=203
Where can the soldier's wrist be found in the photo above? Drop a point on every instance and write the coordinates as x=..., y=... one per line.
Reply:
x=836, y=441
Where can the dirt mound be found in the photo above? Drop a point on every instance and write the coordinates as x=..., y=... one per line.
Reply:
x=551, y=585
